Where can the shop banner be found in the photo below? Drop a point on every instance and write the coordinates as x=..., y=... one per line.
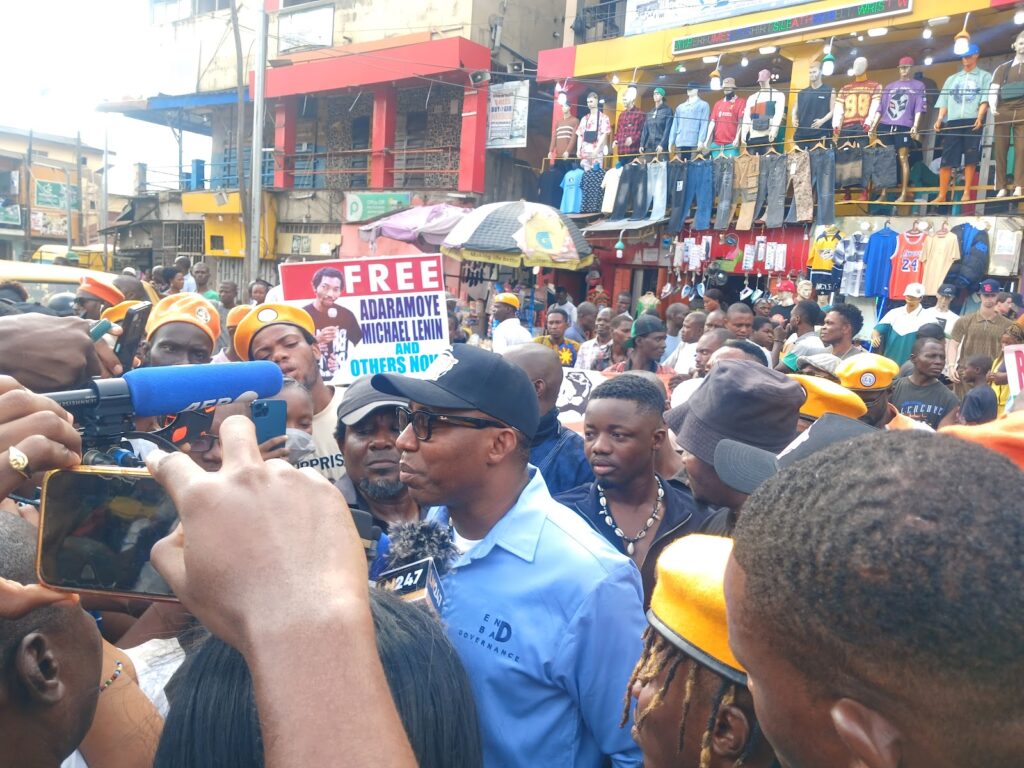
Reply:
x=10, y=215
x=508, y=108
x=372, y=315
x=50, y=194
x=362, y=206
x=49, y=224
x=651, y=15
x=1014, y=357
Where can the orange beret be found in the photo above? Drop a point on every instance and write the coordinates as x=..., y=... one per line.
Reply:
x=116, y=313
x=189, y=308
x=1005, y=435
x=235, y=314
x=97, y=289
x=269, y=314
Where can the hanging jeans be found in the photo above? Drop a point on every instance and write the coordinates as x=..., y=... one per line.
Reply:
x=746, y=170
x=676, y=191
x=698, y=189
x=633, y=177
x=722, y=180
x=802, y=208
x=656, y=189
x=823, y=177
x=850, y=167
x=771, y=189
x=880, y=167
x=641, y=193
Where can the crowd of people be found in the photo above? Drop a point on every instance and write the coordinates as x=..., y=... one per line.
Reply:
x=767, y=546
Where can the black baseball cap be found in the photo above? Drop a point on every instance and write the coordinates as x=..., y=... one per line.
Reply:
x=947, y=290
x=989, y=287
x=644, y=325
x=473, y=379
x=361, y=399
x=745, y=467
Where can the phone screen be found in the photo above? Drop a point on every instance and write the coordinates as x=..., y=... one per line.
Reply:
x=97, y=528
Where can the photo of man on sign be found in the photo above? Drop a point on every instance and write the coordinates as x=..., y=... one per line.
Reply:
x=337, y=329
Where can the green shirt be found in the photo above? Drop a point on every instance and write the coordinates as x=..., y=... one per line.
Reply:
x=963, y=93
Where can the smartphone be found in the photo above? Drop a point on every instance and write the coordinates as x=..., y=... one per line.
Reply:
x=133, y=328
x=270, y=417
x=97, y=526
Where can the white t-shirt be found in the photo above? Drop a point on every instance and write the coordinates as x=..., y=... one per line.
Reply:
x=570, y=308
x=509, y=333
x=946, y=319
x=462, y=544
x=327, y=460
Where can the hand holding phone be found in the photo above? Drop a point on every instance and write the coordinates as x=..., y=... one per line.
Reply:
x=277, y=511
x=133, y=328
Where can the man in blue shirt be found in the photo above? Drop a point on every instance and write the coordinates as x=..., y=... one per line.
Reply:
x=545, y=614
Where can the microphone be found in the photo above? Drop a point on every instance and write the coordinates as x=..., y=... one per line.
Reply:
x=419, y=554
x=173, y=389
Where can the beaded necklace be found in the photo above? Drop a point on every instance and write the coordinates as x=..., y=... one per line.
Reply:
x=631, y=541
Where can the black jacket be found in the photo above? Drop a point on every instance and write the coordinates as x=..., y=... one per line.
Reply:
x=681, y=515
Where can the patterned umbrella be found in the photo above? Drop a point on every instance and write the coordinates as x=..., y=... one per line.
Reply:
x=519, y=234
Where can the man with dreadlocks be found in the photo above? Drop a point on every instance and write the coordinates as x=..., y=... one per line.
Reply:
x=879, y=615
x=693, y=709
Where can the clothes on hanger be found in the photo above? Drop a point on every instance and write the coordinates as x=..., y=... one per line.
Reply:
x=549, y=185
x=572, y=194
x=632, y=191
x=974, y=257
x=906, y=263
x=879, y=167
x=590, y=188
x=942, y=251
x=850, y=255
x=746, y=174
x=698, y=190
x=722, y=180
x=802, y=207
x=823, y=174
x=849, y=167
x=610, y=184
x=878, y=261
x=656, y=189
x=771, y=190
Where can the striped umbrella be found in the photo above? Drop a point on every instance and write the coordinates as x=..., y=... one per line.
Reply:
x=519, y=234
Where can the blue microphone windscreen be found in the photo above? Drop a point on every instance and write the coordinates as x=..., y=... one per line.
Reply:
x=163, y=391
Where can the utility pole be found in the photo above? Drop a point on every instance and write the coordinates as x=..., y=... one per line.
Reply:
x=67, y=202
x=83, y=234
x=104, y=217
x=241, y=87
x=27, y=183
x=252, y=253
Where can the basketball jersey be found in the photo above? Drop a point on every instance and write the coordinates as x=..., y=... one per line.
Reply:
x=856, y=98
x=906, y=263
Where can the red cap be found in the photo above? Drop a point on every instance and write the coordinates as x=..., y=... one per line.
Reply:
x=786, y=285
x=906, y=61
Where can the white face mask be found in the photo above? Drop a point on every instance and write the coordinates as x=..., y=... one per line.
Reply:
x=300, y=445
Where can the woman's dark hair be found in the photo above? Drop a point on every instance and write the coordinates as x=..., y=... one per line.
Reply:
x=213, y=720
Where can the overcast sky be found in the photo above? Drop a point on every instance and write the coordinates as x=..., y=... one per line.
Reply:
x=60, y=58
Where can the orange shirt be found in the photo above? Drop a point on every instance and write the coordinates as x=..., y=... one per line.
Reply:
x=906, y=263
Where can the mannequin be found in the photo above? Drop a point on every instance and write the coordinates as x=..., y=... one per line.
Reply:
x=630, y=126
x=1006, y=103
x=723, y=135
x=658, y=127
x=592, y=134
x=857, y=105
x=903, y=103
x=690, y=123
x=564, y=134
x=804, y=289
x=963, y=101
x=812, y=113
x=763, y=114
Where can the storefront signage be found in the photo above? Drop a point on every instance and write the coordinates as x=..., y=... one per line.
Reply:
x=390, y=317
x=10, y=215
x=847, y=14
x=362, y=206
x=652, y=15
x=508, y=108
x=50, y=194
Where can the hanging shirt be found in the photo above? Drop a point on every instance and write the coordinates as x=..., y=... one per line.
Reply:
x=572, y=194
x=822, y=250
x=902, y=101
x=963, y=93
x=878, y=261
x=610, y=182
x=813, y=104
x=690, y=124
x=630, y=126
x=939, y=255
x=906, y=263
x=563, y=138
x=549, y=186
x=727, y=114
x=856, y=98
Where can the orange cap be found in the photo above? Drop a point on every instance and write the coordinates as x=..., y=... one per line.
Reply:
x=100, y=290
x=235, y=314
x=189, y=308
x=269, y=314
x=1005, y=436
x=116, y=313
x=688, y=602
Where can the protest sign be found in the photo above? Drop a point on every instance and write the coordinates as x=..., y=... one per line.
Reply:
x=372, y=315
x=577, y=386
x=1014, y=357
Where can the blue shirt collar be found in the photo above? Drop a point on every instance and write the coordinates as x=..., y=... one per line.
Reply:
x=518, y=531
